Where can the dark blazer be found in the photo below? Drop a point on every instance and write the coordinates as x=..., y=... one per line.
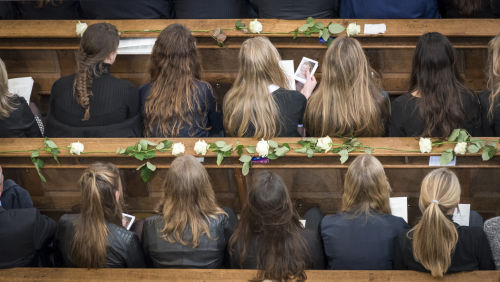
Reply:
x=360, y=242
x=7, y=11
x=24, y=236
x=67, y=10
x=21, y=122
x=127, y=9
x=123, y=249
x=472, y=252
x=293, y=9
x=210, y=9
x=389, y=9
x=15, y=196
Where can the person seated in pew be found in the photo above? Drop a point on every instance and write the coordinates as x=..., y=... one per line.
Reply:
x=437, y=244
x=176, y=103
x=126, y=9
x=492, y=230
x=25, y=234
x=92, y=102
x=270, y=236
x=469, y=9
x=48, y=9
x=210, y=9
x=7, y=10
x=96, y=238
x=13, y=196
x=259, y=104
x=294, y=10
x=348, y=100
x=361, y=236
x=190, y=229
x=490, y=99
x=16, y=116
x=389, y=9
x=438, y=101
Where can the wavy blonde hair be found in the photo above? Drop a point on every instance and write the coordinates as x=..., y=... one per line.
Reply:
x=188, y=201
x=7, y=104
x=366, y=188
x=347, y=101
x=435, y=236
x=248, y=104
x=493, y=67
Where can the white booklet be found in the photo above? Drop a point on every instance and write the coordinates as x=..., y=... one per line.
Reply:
x=136, y=46
x=21, y=86
x=127, y=220
x=461, y=216
x=399, y=207
x=287, y=67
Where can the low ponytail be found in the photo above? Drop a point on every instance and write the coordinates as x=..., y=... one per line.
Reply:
x=435, y=235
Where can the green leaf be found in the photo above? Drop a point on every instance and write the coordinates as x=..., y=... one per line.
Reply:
x=310, y=20
x=325, y=35
x=330, y=40
x=473, y=148
x=50, y=144
x=303, y=28
x=319, y=25
x=138, y=147
x=463, y=136
x=160, y=146
x=320, y=33
x=245, y=169
x=302, y=150
x=146, y=173
x=240, y=149
x=454, y=135
x=245, y=158
x=54, y=153
x=239, y=25
x=251, y=149
x=149, y=154
x=272, y=156
x=488, y=153
x=118, y=150
x=220, y=158
x=295, y=33
x=307, y=33
x=310, y=153
x=226, y=148
x=344, y=156
x=281, y=151
x=220, y=144
x=122, y=151
x=139, y=156
x=168, y=144
x=272, y=144
x=144, y=144
x=335, y=28
x=311, y=140
x=39, y=163
x=35, y=154
x=151, y=166
x=446, y=157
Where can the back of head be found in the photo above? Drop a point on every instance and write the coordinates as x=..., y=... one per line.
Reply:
x=248, y=103
x=366, y=188
x=435, y=236
x=7, y=105
x=436, y=79
x=347, y=100
x=188, y=201
x=493, y=67
x=97, y=43
x=100, y=204
x=270, y=220
x=174, y=68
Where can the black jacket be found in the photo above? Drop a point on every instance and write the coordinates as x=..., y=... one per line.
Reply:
x=24, y=236
x=14, y=196
x=210, y=9
x=123, y=249
x=126, y=9
x=293, y=9
x=21, y=122
x=491, y=125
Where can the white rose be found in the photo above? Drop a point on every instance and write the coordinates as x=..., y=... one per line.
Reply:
x=460, y=148
x=177, y=149
x=425, y=145
x=76, y=148
x=80, y=28
x=201, y=147
x=353, y=29
x=262, y=148
x=325, y=143
x=255, y=26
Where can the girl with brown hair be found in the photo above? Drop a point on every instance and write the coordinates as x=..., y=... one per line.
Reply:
x=361, y=235
x=347, y=101
x=92, y=102
x=490, y=99
x=259, y=105
x=270, y=236
x=95, y=237
x=191, y=230
x=436, y=244
x=177, y=103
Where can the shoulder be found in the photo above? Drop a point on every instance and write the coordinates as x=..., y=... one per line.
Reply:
x=396, y=221
x=332, y=219
x=289, y=95
x=121, y=235
x=470, y=233
x=118, y=83
x=492, y=225
x=404, y=99
x=153, y=221
x=64, y=82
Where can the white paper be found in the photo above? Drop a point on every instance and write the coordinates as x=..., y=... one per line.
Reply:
x=287, y=67
x=21, y=86
x=399, y=207
x=127, y=220
x=375, y=28
x=461, y=216
x=303, y=223
x=305, y=61
x=200, y=159
x=136, y=46
x=436, y=161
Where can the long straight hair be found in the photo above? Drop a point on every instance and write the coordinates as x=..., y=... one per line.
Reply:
x=468, y=7
x=7, y=103
x=174, y=69
x=188, y=202
x=493, y=67
x=435, y=236
x=348, y=100
x=99, y=205
x=270, y=219
x=435, y=77
x=248, y=104
x=98, y=42
x=366, y=188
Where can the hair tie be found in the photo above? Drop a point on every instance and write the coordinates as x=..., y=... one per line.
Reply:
x=435, y=201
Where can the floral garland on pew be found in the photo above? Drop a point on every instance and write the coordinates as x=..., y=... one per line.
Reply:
x=267, y=150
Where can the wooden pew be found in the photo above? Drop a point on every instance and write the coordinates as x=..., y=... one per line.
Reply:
x=110, y=274
x=46, y=49
x=316, y=181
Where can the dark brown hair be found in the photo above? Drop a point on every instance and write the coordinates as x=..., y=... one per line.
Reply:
x=270, y=219
x=468, y=7
x=435, y=77
x=174, y=69
x=98, y=42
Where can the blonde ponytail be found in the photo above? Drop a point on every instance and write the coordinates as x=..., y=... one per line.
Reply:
x=435, y=236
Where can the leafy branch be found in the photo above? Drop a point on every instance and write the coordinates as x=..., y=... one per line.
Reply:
x=324, y=31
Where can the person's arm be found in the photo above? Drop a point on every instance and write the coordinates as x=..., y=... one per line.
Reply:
x=397, y=256
x=309, y=86
x=135, y=255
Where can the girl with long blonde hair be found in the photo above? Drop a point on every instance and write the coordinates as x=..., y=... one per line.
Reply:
x=436, y=244
x=96, y=238
x=259, y=104
x=190, y=230
x=347, y=101
x=490, y=99
x=365, y=212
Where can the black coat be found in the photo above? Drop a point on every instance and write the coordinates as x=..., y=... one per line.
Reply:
x=126, y=9
x=15, y=196
x=293, y=9
x=21, y=122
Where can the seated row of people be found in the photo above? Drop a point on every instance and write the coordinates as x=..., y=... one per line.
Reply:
x=192, y=231
x=176, y=103
x=215, y=9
